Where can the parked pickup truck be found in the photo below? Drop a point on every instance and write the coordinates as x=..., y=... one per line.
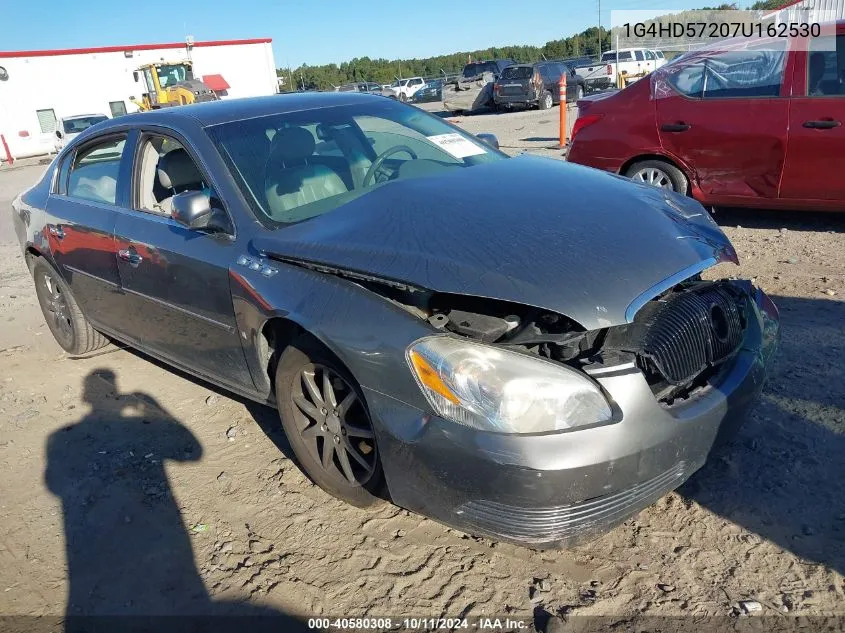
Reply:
x=633, y=63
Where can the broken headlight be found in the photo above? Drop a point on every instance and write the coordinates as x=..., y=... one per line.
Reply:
x=493, y=389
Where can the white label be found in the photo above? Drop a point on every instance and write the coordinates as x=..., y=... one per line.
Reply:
x=457, y=145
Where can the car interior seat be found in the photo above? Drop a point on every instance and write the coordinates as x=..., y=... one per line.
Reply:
x=177, y=172
x=291, y=178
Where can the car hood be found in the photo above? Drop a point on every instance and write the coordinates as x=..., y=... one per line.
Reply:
x=536, y=231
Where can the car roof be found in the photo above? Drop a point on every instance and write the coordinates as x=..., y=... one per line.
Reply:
x=82, y=116
x=217, y=112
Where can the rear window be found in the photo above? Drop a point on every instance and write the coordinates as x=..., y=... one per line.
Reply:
x=517, y=72
x=74, y=126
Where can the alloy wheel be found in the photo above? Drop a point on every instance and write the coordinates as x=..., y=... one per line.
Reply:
x=57, y=307
x=548, y=99
x=334, y=424
x=654, y=177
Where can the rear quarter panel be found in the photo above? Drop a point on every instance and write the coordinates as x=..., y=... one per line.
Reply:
x=627, y=129
x=29, y=215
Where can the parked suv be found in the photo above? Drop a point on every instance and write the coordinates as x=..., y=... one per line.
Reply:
x=536, y=85
x=750, y=126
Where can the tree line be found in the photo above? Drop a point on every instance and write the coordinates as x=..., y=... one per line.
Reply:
x=326, y=76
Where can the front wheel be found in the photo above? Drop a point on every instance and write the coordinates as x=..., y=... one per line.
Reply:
x=67, y=324
x=327, y=423
x=658, y=174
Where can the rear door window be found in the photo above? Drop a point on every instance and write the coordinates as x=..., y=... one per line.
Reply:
x=826, y=68
x=639, y=55
x=95, y=169
x=746, y=73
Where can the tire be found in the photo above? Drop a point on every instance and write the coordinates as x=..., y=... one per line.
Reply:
x=302, y=394
x=67, y=324
x=546, y=101
x=402, y=97
x=579, y=93
x=659, y=174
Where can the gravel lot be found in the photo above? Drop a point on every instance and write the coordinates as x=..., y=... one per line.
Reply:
x=130, y=488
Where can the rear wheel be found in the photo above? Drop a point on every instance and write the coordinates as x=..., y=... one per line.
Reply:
x=67, y=324
x=546, y=101
x=658, y=174
x=402, y=97
x=327, y=423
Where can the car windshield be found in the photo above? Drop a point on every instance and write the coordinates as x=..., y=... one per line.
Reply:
x=474, y=69
x=74, y=126
x=517, y=72
x=298, y=165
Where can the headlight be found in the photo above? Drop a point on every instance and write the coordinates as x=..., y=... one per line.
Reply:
x=493, y=389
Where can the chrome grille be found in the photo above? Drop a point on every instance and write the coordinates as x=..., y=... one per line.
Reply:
x=685, y=332
x=691, y=331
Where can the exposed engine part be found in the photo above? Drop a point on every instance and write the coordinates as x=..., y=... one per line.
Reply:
x=477, y=326
x=438, y=321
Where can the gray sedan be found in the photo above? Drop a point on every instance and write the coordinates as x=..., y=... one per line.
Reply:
x=533, y=367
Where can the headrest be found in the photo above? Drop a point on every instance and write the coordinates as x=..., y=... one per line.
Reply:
x=292, y=144
x=177, y=169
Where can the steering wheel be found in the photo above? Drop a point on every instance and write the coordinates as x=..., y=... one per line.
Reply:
x=371, y=172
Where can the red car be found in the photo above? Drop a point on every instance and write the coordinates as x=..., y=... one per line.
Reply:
x=751, y=127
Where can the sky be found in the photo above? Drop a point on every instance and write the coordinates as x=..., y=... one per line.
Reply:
x=314, y=31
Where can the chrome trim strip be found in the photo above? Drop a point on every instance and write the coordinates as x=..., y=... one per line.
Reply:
x=663, y=286
x=76, y=271
x=180, y=309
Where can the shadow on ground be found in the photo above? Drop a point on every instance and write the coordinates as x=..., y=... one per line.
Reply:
x=130, y=561
x=783, y=477
x=775, y=219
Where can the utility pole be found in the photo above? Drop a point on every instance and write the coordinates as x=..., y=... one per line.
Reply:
x=599, y=1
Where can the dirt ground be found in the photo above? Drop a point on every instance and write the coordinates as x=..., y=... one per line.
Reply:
x=130, y=488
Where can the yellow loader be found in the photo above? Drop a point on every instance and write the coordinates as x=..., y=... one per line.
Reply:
x=170, y=84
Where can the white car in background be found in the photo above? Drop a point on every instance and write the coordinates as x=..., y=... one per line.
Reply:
x=69, y=127
x=404, y=89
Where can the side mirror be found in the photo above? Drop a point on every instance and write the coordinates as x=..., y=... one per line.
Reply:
x=59, y=134
x=191, y=209
x=490, y=139
x=135, y=75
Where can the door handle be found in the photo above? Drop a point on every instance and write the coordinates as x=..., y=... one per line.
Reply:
x=130, y=255
x=822, y=125
x=57, y=232
x=675, y=127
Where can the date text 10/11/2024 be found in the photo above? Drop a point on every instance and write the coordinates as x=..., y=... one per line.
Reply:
x=423, y=624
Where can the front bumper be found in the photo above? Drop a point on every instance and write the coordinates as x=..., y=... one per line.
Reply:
x=560, y=489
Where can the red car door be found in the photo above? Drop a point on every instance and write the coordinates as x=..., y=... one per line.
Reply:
x=813, y=172
x=724, y=115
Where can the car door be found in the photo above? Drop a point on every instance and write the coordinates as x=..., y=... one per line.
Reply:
x=90, y=188
x=724, y=115
x=817, y=125
x=176, y=279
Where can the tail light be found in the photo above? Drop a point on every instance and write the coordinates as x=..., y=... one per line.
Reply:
x=496, y=88
x=609, y=69
x=583, y=121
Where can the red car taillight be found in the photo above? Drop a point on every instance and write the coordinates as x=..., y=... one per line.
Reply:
x=584, y=121
x=609, y=69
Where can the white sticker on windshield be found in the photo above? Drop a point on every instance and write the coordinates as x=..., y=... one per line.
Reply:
x=457, y=145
